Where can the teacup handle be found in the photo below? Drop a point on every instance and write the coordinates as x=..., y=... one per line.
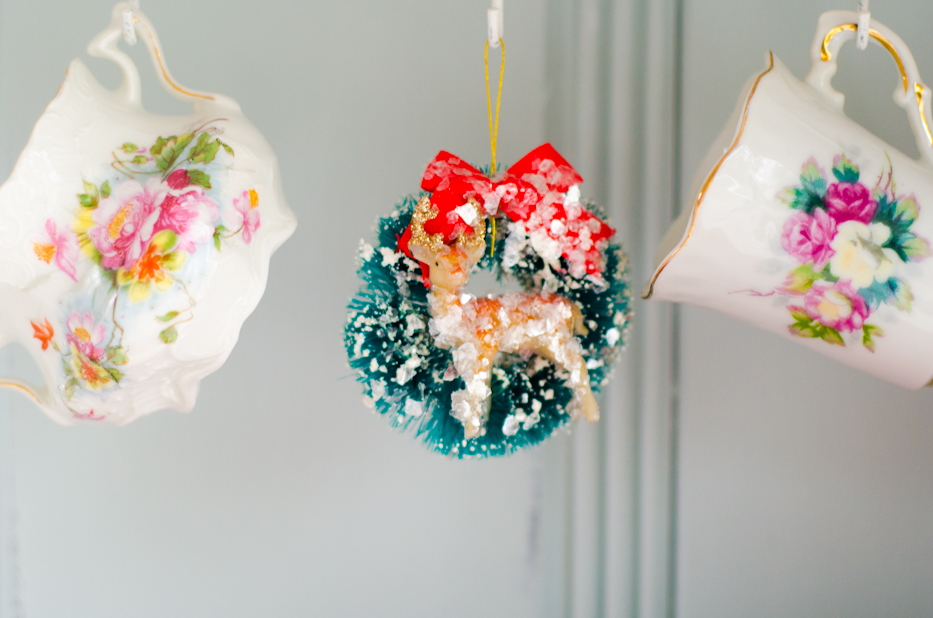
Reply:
x=38, y=394
x=836, y=27
x=104, y=45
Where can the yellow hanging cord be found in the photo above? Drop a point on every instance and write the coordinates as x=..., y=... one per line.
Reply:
x=493, y=128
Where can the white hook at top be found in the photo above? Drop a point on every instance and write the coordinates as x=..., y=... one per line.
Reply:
x=129, y=24
x=494, y=23
x=864, y=18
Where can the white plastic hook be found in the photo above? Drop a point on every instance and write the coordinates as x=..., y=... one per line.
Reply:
x=494, y=23
x=129, y=24
x=864, y=19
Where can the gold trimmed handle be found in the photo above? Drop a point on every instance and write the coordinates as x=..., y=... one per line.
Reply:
x=836, y=27
x=104, y=45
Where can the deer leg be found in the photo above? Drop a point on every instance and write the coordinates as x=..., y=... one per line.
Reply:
x=563, y=349
x=470, y=405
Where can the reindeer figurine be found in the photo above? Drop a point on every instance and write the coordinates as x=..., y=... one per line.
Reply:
x=476, y=329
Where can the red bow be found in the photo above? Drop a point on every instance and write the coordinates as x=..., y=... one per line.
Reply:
x=532, y=191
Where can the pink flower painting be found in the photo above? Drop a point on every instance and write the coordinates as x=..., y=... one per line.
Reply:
x=850, y=202
x=850, y=244
x=62, y=247
x=807, y=238
x=86, y=334
x=125, y=222
x=246, y=215
x=190, y=215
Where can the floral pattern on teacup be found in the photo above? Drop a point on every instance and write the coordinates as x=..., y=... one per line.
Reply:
x=139, y=225
x=851, y=243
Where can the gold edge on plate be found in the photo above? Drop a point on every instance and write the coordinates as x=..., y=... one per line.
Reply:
x=19, y=387
x=162, y=66
x=709, y=179
x=826, y=56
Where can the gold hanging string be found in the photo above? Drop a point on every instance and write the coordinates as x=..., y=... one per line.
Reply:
x=493, y=127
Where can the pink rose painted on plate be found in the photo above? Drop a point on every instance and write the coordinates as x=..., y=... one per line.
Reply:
x=86, y=334
x=125, y=222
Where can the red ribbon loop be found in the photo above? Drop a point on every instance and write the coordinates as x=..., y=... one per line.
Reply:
x=533, y=191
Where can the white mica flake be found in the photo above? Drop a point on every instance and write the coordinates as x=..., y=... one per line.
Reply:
x=510, y=425
x=467, y=212
x=573, y=195
x=389, y=257
x=366, y=251
x=414, y=324
x=414, y=408
x=532, y=419
x=612, y=336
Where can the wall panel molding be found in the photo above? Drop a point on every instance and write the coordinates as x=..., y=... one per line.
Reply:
x=613, y=88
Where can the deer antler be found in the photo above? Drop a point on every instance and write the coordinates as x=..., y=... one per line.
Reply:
x=424, y=212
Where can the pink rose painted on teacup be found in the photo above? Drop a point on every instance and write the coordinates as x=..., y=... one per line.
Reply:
x=850, y=202
x=836, y=305
x=86, y=334
x=807, y=239
x=125, y=222
x=190, y=215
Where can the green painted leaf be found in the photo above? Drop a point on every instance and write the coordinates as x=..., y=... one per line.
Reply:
x=66, y=366
x=217, y=235
x=844, y=170
x=169, y=335
x=184, y=140
x=116, y=374
x=87, y=201
x=174, y=260
x=159, y=144
x=907, y=209
x=801, y=279
x=868, y=331
x=914, y=248
x=210, y=151
x=70, y=386
x=198, y=177
x=105, y=189
x=800, y=315
x=901, y=293
x=117, y=355
x=812, y=179
x=227, y=147
x=168, y=317
x=165, y=240
x=130, y=147
x=831, y=335
x=91, y=196
x=139, y=160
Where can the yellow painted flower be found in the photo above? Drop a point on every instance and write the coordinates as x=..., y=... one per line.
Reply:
x=152, y=270
x=90, y=374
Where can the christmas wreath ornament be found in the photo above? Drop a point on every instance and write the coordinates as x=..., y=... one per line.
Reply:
x=485, y=376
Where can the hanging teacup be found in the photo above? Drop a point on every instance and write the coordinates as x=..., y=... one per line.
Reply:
x=810, y=226
x=133, y=245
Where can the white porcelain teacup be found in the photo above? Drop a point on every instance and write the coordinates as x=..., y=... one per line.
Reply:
x=807, y=225
x=134, y=245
